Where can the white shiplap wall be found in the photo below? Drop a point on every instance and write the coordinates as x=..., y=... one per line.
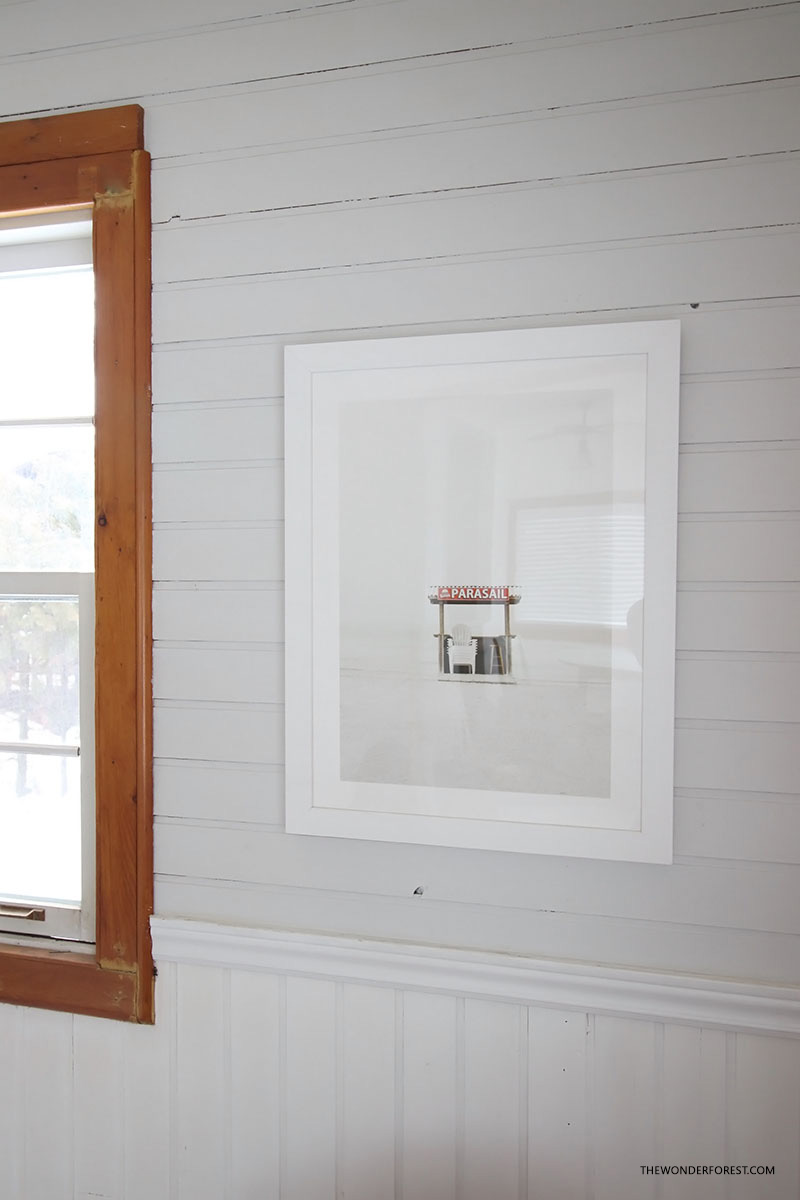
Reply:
x=565, y=169
x=386, y=167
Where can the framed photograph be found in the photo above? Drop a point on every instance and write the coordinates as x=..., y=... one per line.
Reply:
x=480, y=589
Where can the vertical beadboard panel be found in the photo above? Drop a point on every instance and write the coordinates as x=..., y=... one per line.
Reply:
x=146, y=1097
x=255, y=1033
x=693, y=1108
x=310, y=1091
x=625, y=1104
x=494, y=1065
x=430, y=1090
x=48, y=1112
x=202, y=1096
x=12, y=1076
x=98, y=1099
x=557, y=1103
x=765, y=1116
x=366, y=1138
x=253, y=1086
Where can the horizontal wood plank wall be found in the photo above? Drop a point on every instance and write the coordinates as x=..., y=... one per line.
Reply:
x=561, y=170
x=256, y=1084
x=373, y=168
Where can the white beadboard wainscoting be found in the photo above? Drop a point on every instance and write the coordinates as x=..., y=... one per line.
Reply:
x=333, y=169
x=300, y=1067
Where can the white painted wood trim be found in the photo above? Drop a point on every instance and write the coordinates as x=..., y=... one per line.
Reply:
x=681, y=999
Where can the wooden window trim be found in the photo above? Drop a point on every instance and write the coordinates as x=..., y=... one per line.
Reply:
x=97, y=160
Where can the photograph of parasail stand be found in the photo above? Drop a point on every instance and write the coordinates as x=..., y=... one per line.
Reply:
x=422, y=706
x=456, y=485
x=464, y=656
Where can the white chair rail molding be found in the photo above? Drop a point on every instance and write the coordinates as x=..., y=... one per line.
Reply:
x=655, y=996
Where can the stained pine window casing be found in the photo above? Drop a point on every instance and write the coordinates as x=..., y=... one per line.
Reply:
x=96, y=161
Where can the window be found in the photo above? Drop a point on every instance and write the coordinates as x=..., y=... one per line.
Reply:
x=75, y=575
x=47, y=576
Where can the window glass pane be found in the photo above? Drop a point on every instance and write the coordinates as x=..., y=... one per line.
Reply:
x=47, y=498
x=40, y=827
x=39, y=674
x=47, y=344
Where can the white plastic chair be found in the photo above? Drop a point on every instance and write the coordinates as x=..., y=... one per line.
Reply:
x=463, y=648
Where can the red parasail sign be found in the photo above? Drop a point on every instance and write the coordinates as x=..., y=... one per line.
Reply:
x=473, y=592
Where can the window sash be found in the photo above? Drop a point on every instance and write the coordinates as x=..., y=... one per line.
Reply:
x=73, y=922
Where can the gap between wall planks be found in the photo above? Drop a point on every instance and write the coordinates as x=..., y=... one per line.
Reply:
x=97, y=159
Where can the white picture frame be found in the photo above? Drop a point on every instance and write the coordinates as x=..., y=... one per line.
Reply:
x=541, y=465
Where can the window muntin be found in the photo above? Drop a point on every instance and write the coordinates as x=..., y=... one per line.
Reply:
x=46, y=577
